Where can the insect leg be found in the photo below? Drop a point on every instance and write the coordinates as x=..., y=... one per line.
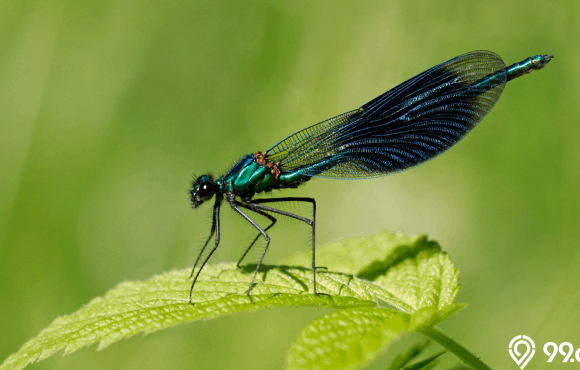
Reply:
x=235, y=206
x=216, y=227
x=256, y=203
x=271, y=218
x=213, y=226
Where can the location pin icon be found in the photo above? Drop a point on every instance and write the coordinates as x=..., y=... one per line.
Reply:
x=522, y=359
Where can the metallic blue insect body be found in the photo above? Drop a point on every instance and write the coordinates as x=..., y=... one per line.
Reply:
x=402, y=128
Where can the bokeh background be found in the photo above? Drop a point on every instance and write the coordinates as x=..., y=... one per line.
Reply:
x=106, y=108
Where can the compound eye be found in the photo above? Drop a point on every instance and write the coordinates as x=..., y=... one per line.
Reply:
x=206, y=191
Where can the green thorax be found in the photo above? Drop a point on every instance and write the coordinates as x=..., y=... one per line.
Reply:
x=253, y=174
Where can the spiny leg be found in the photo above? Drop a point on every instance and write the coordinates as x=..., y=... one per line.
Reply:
x=271, y=218
x=235, y=206
x=213, y=226
x=216, y=222
x=256, y=204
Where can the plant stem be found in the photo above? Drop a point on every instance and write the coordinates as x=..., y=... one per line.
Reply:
x=454, y=347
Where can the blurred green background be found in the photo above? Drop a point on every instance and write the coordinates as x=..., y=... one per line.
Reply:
x=107, y=107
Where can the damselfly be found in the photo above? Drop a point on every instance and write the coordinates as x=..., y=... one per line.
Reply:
x=402, y=128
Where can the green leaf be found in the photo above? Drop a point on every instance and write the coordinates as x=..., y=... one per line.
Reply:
x=412, y=275
x=162, y=301
x=353, y=255
x=415, y=270
x=347, y=339
x=427, y=279
x=352, y=337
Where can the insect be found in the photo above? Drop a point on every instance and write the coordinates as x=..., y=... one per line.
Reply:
x=400, y=129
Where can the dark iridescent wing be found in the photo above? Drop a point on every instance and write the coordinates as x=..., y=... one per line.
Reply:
x=402, y=128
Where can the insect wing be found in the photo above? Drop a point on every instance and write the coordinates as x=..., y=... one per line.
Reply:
x=402, y=128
